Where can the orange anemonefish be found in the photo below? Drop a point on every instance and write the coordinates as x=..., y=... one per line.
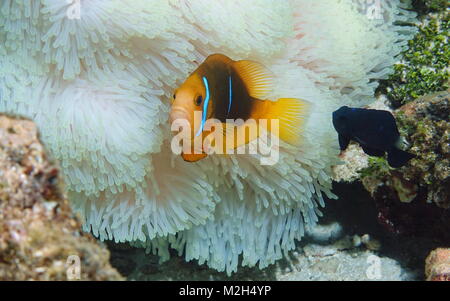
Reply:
x=224, y=89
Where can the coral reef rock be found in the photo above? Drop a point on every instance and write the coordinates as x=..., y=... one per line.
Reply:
x=417, y=194
x=40, y=238
x=426, y=122
x=438, y=265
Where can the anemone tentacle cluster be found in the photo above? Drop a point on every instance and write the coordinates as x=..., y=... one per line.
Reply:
x=96, y=76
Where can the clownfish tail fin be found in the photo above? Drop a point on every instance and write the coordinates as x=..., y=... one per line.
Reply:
x=291, y=114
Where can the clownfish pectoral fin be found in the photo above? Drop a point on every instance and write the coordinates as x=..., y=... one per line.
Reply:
x=195, y=153
x=257, y=78
x=292, y=114
x=235, y=136
x=193, y=157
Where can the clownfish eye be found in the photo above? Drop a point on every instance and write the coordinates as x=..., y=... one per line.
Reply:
x=174, y=96
x=198, y=100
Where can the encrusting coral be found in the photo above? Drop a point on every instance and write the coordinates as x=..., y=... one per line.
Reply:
x=416, y=198
x=426, y=122
x=38, y=231
x=97, y=76
x=438, y=265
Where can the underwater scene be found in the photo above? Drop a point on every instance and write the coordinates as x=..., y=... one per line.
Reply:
x=195, y=140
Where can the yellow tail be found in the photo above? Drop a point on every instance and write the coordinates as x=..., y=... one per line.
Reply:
x=292, y=114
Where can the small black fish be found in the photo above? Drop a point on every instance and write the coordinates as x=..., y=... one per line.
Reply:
x=375, y=130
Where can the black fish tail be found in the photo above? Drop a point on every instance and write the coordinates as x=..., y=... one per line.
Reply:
x=398, y=158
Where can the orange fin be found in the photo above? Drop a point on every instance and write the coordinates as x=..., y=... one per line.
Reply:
x=193, y=157
x=292, y=114
x=243, y=134
x=232, y=136
x=257, y=78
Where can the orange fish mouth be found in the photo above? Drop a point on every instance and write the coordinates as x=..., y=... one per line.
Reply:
x=180, y=122
x=178, y=112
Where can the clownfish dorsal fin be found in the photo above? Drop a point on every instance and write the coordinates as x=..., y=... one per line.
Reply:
x=257, y=78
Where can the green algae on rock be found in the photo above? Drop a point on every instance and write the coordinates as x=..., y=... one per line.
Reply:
x=424, y=65
x=427, y=6
x=38, y=231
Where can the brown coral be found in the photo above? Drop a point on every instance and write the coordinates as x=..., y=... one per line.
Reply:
x=38, y=231
x=426, y=124
x=415, y=199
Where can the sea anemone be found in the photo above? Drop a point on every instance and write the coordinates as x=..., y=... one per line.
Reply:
x=96, y=76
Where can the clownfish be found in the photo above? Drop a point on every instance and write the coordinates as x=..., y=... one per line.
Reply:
x=224, y=89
